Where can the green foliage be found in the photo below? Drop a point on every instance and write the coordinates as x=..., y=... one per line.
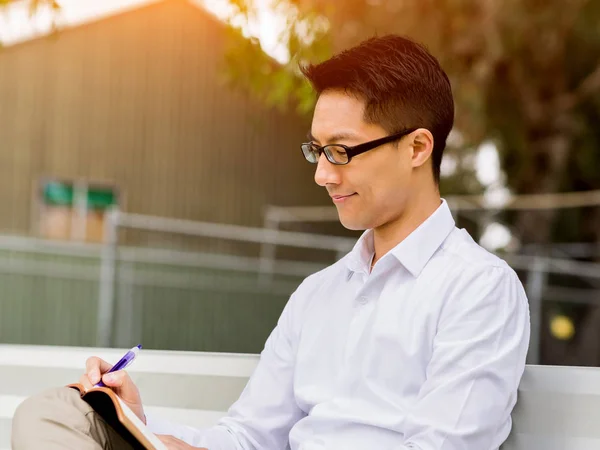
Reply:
x=280, y=85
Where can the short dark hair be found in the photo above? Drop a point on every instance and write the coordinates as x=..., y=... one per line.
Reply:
x=402, y=84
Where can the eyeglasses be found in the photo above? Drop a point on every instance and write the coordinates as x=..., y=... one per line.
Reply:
x=340, y=154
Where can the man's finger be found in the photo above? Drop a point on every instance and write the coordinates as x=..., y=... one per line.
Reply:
x=85, y=382
x=172, y=443
x=115, y=379
x=94, y=367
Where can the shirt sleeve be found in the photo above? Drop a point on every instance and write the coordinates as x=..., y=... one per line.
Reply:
x=478, y=358
x=266, y=411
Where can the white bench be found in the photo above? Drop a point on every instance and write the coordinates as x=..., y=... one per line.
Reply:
x=558, y=408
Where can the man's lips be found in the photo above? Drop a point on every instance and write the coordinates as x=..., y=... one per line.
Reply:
x=341, y=198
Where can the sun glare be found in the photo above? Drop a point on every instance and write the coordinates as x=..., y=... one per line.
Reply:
x=16, y=25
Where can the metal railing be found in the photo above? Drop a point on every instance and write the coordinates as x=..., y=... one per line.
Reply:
x=112, y=264
x=118, y=274
x=117, y=220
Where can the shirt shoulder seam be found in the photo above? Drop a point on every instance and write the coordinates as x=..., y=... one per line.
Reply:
x=493, y=262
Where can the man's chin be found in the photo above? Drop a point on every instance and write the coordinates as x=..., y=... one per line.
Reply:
x=351, y=223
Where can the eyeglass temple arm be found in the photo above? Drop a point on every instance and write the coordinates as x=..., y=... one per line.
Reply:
x=361, y=148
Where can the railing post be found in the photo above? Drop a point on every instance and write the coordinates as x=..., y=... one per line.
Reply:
x=535, y=286
x=106, y=297
x=268, y=251
x=127, y=326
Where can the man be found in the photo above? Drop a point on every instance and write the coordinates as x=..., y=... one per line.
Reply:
x=414, y=340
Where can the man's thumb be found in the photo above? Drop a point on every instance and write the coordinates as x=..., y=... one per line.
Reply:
x=114, y=379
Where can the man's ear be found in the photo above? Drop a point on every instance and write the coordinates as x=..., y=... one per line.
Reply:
x=422, y=145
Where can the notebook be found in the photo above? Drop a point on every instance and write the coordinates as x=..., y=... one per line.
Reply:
x=120, y=417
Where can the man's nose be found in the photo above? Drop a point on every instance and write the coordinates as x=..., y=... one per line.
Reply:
x=326, y=172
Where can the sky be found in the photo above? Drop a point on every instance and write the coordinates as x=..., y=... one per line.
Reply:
x=17, y=26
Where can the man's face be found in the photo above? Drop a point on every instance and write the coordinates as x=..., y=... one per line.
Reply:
x=372, y=189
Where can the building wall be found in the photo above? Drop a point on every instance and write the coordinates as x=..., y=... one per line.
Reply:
x=138, y=100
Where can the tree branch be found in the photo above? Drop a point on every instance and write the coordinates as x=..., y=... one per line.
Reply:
x=589, y=86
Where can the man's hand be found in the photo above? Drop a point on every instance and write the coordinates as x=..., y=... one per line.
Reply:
x=118, y=381
x=173, y=443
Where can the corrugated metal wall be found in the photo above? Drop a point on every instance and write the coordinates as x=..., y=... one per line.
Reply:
x=138, y=100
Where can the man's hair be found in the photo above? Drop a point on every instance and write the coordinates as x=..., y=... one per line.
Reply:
x=402, y=84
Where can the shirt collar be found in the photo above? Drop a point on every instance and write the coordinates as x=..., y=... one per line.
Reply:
x=415, y=251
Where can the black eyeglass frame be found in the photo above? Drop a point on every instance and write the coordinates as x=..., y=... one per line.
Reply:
x=352, y=151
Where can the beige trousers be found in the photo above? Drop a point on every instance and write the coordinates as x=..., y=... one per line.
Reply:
x=59, y=419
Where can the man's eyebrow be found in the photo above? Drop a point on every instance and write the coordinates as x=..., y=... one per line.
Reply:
x=336, y=137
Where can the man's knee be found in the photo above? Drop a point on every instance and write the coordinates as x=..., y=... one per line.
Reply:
x=58, y=405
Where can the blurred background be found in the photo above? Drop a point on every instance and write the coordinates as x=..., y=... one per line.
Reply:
x=152, y=189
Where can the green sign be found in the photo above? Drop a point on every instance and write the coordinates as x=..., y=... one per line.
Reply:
x=63, y=194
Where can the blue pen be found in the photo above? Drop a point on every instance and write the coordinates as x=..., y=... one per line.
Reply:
x=122, y=363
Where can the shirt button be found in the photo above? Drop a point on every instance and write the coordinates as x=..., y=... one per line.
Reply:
x=363, y=300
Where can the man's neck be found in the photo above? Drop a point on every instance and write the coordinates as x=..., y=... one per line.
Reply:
x=392, y=233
